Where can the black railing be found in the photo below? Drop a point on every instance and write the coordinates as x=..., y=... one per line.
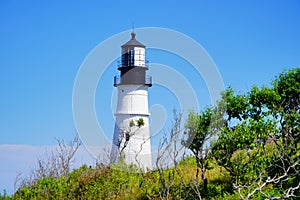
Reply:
x=117, y=80
x=148, y=80
x=131, y=63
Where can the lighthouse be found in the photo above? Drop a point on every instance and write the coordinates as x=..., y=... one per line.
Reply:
x=132, y=134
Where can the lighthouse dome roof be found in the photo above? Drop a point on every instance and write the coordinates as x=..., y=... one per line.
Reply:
x=133, y=42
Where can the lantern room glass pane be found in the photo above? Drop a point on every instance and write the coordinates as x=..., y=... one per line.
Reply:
x=133, y=57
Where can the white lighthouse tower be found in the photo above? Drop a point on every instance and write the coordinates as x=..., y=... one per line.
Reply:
x=132, y=133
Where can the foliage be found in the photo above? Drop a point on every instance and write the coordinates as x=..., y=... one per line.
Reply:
x=198, y=133
x=104, y=182
x=140, y=122
x=255, y=154
x=4, y=196
x=259, y=143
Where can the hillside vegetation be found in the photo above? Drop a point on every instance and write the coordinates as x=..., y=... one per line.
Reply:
x=246, y=147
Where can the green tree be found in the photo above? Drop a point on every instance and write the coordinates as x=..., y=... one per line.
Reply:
x=259, y=142
x=198, y=133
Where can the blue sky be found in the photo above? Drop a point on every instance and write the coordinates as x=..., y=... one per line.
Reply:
x=43, y=44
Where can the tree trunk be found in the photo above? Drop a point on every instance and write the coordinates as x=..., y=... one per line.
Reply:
x=204, y=178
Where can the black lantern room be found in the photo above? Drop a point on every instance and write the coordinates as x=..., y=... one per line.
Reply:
x=133, y=64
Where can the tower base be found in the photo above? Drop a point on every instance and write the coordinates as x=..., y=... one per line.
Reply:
x=132, y=141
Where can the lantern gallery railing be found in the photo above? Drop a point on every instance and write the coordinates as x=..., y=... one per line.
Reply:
x=132, y=63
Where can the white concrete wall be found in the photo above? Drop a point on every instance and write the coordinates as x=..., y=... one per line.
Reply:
x=133, y=105
x=132, y=99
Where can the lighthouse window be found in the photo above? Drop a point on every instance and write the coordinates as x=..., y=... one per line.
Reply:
x=132, y=57
x=131, y=52
x=128, y=57
x=125, y=59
